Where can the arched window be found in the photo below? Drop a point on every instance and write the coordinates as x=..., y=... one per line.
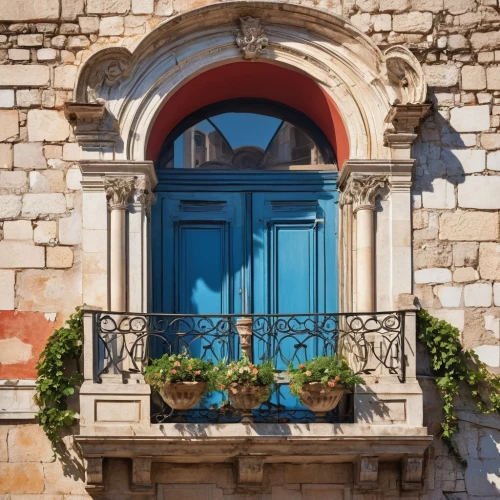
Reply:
x=247, y=134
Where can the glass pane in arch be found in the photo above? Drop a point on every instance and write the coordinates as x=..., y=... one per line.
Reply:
x=246, y=135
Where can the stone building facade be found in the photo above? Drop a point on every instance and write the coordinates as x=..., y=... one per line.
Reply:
x=413, y=87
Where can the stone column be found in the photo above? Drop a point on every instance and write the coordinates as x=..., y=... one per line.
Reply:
x=361, y=191
x=118, y=191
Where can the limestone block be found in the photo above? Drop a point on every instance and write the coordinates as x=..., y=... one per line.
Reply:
x=456, y=7
x=465, y=254
x=394, y=5
x=29, y=155
x=460, y=161
x=9, y=124
x=465, y=274
x=493, y=77
x=490, y=141
x=455, y=317
x=39, y=183
x=79, y=42
x=73, y=178
x=7, y=302
x=469, y=226
x=17, y=230
x=21, y=478
x=71, y=9
x=427, y=5
x=433, y=275
x=23, y=75
x=490, y=355
x=89, y=24
x=412, y=22
x=470, y=118
x=457, y=42
x=111, y=26
x=49, y=290
x=29, y=10
x=46, y=55
x=449, y=296
x=53, y=151
x=37, y=204
x=108, y=6
x=473, y=78
x=72, y=152
x=58, y=42
x=59, y=257
x=489, y=261
x=35, y=40
x=6, y=98
x=45, y=232
x=47, y=125
x=362, y=21
x=56, y=180
x=58, y=482
x=28, y=443
x=10, y=206
x=20, y=254
x=478, y=295
x=27, y=98
x=441, y=75
x=496, y=293
x=19, y=54
x=143, y=6
x=382, y=22
x=65, y=77
x=479, y=192
x=13, y=182
x=433, y=256
x=5, y=156
x=442, y=195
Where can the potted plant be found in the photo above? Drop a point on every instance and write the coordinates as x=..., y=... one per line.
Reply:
x=321, y=383
x=181, y=380
x=247, y=384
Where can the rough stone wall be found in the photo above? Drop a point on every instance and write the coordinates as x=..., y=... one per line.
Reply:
x=456, y=206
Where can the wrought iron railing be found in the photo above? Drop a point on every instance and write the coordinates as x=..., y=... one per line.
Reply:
x=373, y=343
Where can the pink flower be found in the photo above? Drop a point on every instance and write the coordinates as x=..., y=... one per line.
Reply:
x=337, y=378
x=308, y=373
x=177, y=363
x=331, y=383
x=301, y=366
x=174, y=371
x=255, y=371
x=197, y=372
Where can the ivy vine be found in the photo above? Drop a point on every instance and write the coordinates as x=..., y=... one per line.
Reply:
x=453, y=365
x=58, y=376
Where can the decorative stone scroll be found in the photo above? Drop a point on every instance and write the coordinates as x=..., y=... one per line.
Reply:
x=119, y=191
x=361, y=191
x=251, y=38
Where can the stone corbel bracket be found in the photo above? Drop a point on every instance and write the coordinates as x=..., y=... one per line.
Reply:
x=141, y=474
x=367, y=472
x=94, y=479
x=412, y=472
x=249, y=473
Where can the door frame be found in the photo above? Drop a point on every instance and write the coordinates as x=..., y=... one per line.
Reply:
x=182, y=180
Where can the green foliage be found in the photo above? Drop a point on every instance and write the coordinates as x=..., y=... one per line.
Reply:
x=452, y=365
x=180, y=368
x=329, y=370
x=243, y=372
x=57, y=379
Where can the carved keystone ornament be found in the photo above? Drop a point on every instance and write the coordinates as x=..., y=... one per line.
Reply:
x=251, y=38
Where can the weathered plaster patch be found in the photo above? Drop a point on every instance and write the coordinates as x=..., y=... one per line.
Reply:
x=14, y=351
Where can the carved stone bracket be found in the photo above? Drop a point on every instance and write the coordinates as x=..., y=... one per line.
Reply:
x=249, y=472
x=412, y=472
x=402, y=122
x=144, y=192
x=94, y=475
x=367, y=472
x=361, y=191
x=119, y=191
x=141, y=474
x=251, y=38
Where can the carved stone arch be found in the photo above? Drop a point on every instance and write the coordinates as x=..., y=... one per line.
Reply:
x=363, y=82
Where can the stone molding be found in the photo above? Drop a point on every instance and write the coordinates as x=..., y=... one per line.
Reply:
x=119, y=191
x=250, y=38
x=361, y=191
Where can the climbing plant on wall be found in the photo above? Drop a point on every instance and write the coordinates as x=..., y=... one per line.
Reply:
x=58, y=374
x=452, y=366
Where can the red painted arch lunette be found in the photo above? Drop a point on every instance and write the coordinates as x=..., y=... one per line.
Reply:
x=252, y=79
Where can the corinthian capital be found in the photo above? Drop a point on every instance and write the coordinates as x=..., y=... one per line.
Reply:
x=144, y=192
x=119, y=191
x=361, y=191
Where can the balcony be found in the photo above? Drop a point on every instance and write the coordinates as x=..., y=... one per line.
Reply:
x=379, y=420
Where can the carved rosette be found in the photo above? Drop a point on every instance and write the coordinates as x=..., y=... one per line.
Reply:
x=119, y=191
x=143, y=192
x=251, y=38
x=361, y=191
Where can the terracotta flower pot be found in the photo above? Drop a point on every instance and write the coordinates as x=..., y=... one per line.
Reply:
x=183, y=395
x=321, y=399
x=246, y=398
